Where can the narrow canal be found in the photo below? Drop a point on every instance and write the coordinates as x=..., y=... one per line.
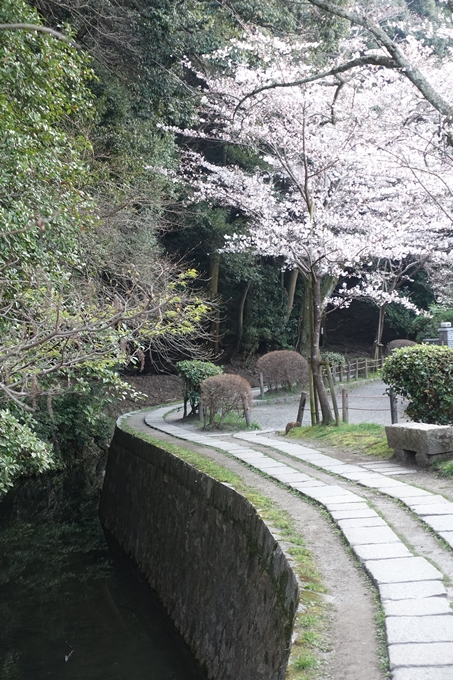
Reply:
x=70, y=612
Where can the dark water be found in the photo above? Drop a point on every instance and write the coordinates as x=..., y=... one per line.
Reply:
x=67, y=612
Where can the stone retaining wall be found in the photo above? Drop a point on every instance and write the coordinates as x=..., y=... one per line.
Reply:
x=214, y=564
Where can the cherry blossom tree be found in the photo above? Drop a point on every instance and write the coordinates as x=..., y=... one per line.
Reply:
x=353, y=172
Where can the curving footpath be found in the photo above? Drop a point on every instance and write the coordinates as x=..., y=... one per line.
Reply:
x=418, y=617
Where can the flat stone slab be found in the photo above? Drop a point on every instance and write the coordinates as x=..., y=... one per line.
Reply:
x=405, y=629
x=412, y=590
x=421, y=654
x=362, y=522
x=371, y=535
x=269, y=464
x=347, y=507
x=333, y=490
x=439, y=522
x=335, y=501
x=425, y=673
x=406, y=491
x=430, y=499
x=291, y=476
x=425, y=606
x=402, y=570
x=353, y=514
x=434, y=509
x=302, y=486
x=382, y=551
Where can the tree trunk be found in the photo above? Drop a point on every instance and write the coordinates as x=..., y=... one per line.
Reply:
x=213, y=290
x=303, y=344
x=241, y=314
x=315, y=290
x=291, y=289
x=379, y=332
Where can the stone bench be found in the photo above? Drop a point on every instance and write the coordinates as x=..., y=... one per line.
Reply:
x=420, y=442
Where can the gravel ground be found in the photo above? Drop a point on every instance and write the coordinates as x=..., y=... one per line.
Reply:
x=368, y=403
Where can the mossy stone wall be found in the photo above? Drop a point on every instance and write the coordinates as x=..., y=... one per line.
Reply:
x=217, y=569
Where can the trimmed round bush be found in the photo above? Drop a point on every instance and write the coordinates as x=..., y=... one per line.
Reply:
x=283, y=368
x=424, y=375
x=397, y=344
x=225, y=393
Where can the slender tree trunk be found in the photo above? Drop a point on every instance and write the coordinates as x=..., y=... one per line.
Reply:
x=241, y=314
x=214, y=290
x=315, y=289
x=305, y=323
x=379, y=332
x=291, y=289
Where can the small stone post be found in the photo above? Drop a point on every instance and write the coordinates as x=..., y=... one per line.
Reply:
x=445, y=334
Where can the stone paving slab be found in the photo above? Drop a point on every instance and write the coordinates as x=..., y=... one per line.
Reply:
x=353, y=514
x=402, y=570
x=421, y=654
x=331, y=490
x=290, y=476
x=426, y=499
x=412, y=590
x=381, y=551
x=329, y=501
x=434, y=509
x=447, y=536
x=332, y=506
x=361, y=522
x=368, y=536
x=426, y=606
x=405, y=492
x=440, y=522
x=426, y=673
x=300, y=486
x=408, y=629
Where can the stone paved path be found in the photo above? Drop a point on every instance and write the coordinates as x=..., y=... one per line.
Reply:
x=419, y=620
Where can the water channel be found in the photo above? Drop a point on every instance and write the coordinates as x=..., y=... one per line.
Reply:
x=70, y=612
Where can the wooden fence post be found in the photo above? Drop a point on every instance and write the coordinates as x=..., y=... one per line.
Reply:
x=356, y=369
x=349, y=372
x=261, y=386
x=333, y=395
x=393, y=407
x=341, y=372
x=366, y=368
x=344, y=405
x=300, y=412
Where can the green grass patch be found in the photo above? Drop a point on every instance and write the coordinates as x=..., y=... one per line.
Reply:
x=366, y=438
x=233, y=422
x=445, y=468
x=311, y=623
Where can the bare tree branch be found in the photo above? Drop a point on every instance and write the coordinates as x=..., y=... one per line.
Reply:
x=40, y=29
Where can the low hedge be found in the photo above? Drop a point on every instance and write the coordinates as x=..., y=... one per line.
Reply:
x=424, y=375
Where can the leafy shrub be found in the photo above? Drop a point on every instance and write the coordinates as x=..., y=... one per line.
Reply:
x=397, y=344
x=424, y=375
x=334, y=358
x=225, y=393
x=21, y=451
x=193, y=373
x=283, y=368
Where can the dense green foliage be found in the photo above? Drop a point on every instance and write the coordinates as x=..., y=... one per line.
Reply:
x=423, y=375
x=193, y=373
